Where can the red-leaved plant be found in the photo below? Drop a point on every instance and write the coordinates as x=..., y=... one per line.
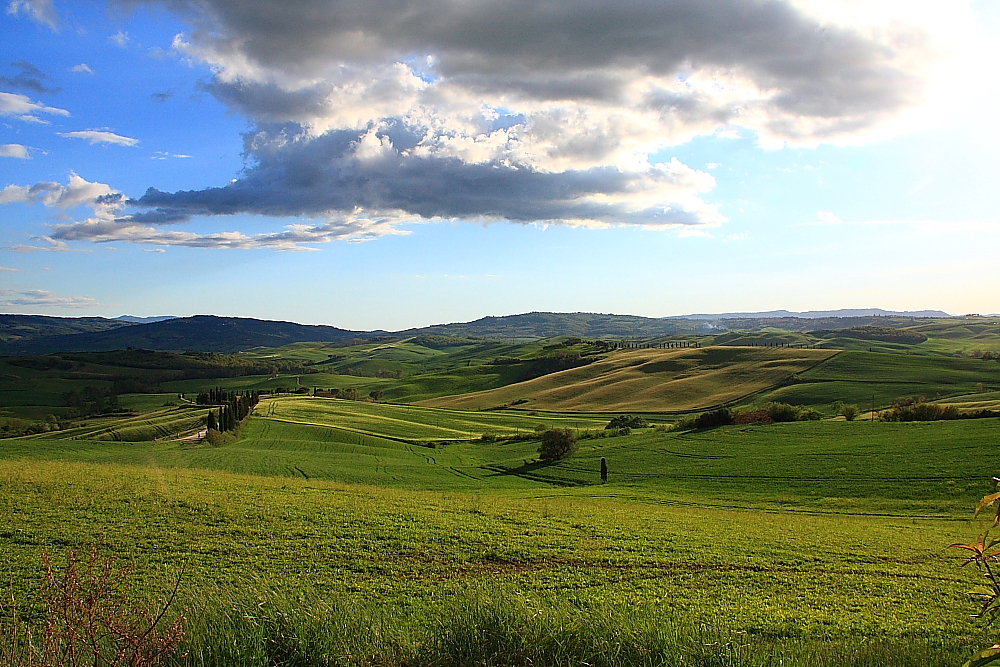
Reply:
x=985, y=555
x=92, y=620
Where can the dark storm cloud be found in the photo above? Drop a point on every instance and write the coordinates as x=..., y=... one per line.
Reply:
x=322, y=175
x=576, y=48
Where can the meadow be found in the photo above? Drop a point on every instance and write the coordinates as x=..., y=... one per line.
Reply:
x=339, y=532
x=737, y=545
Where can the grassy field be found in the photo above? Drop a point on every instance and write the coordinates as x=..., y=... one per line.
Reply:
x=857, y=377
x=813, y=534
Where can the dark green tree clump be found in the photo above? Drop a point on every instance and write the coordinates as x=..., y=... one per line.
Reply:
x=720, y=417
x=557, y=443
x=627, y=421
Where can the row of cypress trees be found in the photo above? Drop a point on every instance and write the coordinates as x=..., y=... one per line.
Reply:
x=234, y=409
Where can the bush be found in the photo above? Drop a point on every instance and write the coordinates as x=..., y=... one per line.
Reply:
x=918, y=410
x=627, y=421
x=557, y=443
x=752, y=417
x=782, y=412
x=685, y=423
x=720, y=417
x=809, y=415
x=848, y=412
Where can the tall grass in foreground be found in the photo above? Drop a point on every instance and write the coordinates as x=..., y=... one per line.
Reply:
x=483, y=631
x=480, y=629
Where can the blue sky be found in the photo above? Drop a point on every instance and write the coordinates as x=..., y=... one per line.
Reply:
x=421, y=161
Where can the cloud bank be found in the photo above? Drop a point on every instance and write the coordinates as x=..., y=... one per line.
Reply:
x=370, y=115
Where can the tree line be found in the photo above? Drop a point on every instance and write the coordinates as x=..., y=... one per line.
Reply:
x=234, y=407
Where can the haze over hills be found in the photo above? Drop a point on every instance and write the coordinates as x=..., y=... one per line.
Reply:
x=145, y=320
x=815, y=314
x=36, y=334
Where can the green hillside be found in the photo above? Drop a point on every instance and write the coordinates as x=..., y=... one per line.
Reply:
x=857, y=377
x=202, y=333
x=15, y=329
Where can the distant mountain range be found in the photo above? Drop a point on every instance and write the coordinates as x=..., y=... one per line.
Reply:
x=37, y=334
x=817, y=314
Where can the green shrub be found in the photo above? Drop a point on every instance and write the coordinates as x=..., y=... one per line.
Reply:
x=918, y=410
x=782, y=412
x=627, y=421
x=720, y=417
x=848, y=412
x=810, y=415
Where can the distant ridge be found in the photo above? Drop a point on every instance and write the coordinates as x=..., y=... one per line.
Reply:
x=816, y=314
x=202, y=333
x=144, y=320
x=39, y=334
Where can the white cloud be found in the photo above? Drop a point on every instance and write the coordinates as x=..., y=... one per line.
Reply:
x=42, y=11
x=14, y=150
x=78, y=191
x=23, y=108
x=10, y=297
x=120, y=39
x=82, y=68
x=7, y=268
x=100, y=137
x=53, y=246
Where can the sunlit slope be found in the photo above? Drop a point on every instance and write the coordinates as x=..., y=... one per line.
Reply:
x=411, y=423
x=651, y=380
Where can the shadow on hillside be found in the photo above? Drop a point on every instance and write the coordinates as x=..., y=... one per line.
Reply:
x=530, y=471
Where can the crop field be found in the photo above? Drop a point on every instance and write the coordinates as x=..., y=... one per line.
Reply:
x=415, y=423
x=652, y=380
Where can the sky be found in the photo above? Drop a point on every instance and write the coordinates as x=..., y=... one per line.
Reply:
x=385, y=164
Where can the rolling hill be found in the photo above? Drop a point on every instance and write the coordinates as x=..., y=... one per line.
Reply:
x=651, y=380
x=203, y=333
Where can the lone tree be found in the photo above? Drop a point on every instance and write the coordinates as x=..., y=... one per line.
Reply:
x=557, y=443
